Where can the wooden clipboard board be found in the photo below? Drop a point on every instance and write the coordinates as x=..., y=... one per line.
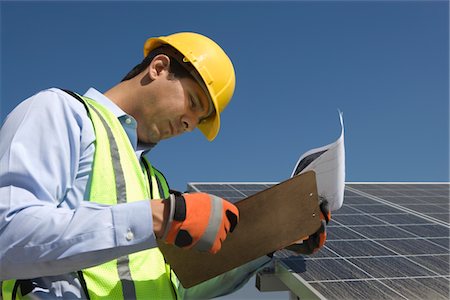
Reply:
x=269, y=220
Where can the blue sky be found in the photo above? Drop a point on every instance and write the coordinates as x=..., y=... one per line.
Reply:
x=384, y=64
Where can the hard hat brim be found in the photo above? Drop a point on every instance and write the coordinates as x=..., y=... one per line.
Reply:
x=210, y=127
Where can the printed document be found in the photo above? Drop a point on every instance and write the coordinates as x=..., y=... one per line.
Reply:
x=328, y=162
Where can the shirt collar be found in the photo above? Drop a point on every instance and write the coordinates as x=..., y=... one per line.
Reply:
x=118, y=112
x=105, y=101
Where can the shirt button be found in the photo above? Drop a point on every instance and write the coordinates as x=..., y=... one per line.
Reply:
x=128, y=121
x=129, y=235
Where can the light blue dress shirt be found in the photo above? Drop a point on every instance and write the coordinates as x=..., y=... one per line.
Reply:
x=46, y=227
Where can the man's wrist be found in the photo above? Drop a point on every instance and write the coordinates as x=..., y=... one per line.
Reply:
x=160, y=213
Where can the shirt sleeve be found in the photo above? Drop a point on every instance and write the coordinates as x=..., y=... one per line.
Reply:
x=226, y=283
x=45, y=226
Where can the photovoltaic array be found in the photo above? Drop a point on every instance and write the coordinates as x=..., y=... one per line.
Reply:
x=388, y=241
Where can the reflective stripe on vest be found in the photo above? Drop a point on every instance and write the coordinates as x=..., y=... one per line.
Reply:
x=117, y=177
x=159, y=186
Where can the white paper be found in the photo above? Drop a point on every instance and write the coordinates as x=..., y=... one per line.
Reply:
x=328, y=162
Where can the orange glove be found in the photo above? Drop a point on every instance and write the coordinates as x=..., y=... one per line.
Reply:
x=199, y=220
x=311, y=244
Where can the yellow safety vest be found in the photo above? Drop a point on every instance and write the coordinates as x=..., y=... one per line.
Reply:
x=118, y=177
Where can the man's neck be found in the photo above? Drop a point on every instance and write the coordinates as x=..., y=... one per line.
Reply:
x=123, y=95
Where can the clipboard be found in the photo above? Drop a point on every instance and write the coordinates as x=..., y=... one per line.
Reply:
x=269, y=220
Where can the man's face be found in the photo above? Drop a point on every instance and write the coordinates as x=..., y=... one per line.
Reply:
x=175, y=105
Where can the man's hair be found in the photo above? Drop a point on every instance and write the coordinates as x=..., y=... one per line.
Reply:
x=175, y=67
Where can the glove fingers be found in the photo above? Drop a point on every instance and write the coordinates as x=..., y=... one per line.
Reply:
x=229, y=222
x=322, y=240
x=221, y=236
x=325, y=210
x=320, y=237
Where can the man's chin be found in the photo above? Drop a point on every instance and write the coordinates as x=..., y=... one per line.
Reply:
x=153, y=138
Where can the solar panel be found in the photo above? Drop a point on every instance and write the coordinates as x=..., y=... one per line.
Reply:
x=388, y=241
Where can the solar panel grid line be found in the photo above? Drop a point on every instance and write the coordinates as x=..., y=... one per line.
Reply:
x=403, y=197
x=223, y=189
x=380, y=225
x=422, y=264
x=193, y=187
x=371, y=277
x=381, y=213
x=436, y=201
x=377, y=279
x=418, y=202
x=400, y=220
x=397, y=266
x=418, y=188
x=429, y=289
x=349, y=259
x=379, y=256
x=351, y=290
x=397, y=255
x=255, y=183
x=439, y=276
x=347, y=292
x=245, y=195
x=390, y=225
x=421, y=196
x=363, y=226
x=368, y=214
x=364, y=272
x=406, y=229
x=385, y=239
x=398, y=183
x=391, y=249
x=399, y=207
x=420, y=246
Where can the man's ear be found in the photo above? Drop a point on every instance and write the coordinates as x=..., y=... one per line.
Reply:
x=158, y=66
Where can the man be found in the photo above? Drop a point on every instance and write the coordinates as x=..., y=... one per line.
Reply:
x=75, y=216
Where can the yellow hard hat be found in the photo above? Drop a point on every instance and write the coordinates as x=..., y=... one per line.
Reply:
x=212, y=64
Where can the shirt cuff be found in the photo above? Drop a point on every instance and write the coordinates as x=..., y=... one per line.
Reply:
x=133, y=224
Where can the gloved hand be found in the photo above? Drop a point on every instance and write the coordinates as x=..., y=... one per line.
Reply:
x=311, y=244
x=199, y=220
